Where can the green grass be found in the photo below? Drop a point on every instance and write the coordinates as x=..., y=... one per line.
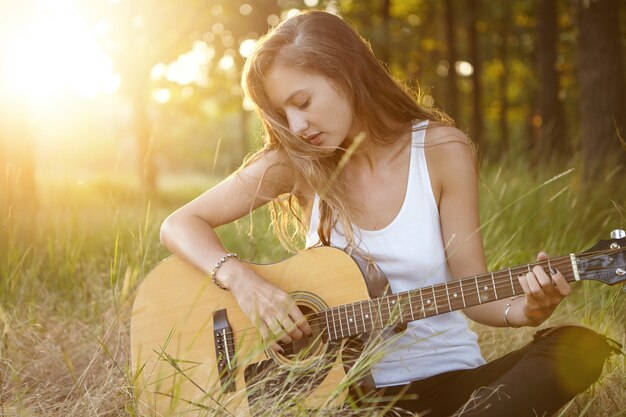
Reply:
x=69, y=267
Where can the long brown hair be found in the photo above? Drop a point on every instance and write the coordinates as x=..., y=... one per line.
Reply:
x=324, y=44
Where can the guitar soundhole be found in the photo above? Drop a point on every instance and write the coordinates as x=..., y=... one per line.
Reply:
x=304, y=362
x=304, y=352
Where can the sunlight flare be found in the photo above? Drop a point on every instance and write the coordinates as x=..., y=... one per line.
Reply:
x=56, y=54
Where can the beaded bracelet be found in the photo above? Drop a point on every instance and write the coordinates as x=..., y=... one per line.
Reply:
x=217, y=266
x=506, y=316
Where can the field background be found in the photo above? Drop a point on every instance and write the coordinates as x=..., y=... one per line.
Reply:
x=71, y=267
x=113, y=113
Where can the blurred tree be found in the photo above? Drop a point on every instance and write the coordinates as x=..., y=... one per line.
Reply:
x=452, y=58
x=143, y=33
x=504, y=22
x=258, y=16
x=385, y=43
x=552, y=138
x=140, y=34
x=473, y=6
x=601, y=74
x=17, y=142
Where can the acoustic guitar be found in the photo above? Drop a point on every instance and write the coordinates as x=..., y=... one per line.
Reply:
x=194, y=352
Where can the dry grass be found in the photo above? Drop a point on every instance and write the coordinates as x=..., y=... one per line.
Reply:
x=69, y=269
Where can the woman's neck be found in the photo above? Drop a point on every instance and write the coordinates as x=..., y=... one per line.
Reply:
x=370, y=154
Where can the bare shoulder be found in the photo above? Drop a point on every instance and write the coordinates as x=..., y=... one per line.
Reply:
x=267, y=171
x=451, y=157
x=440, y=134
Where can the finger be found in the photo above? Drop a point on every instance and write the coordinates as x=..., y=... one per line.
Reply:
x=560, y=283
x=523, y=282
x=265, y=333
x=278, y=333
x=291, y=328
x=268, y=337
x=553, y=272
x=546, y=281
x=300, y=321
x=536, y=290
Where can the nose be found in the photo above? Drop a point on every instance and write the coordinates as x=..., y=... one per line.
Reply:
x=297, y=122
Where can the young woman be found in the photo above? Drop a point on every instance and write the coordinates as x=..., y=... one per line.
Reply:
x=357, y=163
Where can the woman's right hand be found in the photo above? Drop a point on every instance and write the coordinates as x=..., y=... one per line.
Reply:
x=269, y=308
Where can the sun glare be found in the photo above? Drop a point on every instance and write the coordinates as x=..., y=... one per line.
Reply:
x=56, y=54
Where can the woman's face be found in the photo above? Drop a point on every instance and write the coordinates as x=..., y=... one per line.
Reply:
x=313, y=107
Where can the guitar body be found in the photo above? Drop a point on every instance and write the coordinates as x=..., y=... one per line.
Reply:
x=182, y=355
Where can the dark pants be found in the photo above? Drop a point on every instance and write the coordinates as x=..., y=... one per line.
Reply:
x=535, y=380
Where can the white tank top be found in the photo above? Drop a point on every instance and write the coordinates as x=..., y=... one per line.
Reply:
x=410, y=251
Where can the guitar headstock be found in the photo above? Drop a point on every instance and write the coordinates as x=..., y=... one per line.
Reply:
x=605, y=261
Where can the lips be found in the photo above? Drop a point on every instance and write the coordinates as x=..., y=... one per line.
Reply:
x=315, y=139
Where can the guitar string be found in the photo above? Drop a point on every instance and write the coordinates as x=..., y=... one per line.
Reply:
x=555, y=262
x=343, y=316
x=478, y=280
x=385, y=318
x=470, y=292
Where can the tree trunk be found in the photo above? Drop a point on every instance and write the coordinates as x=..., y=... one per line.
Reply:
x=552, y=138
x=143, y=135
x=452, y=105
x=477, y=115
x=504, y=79
x=601, y=74
x=18, y=145
x=385, y=48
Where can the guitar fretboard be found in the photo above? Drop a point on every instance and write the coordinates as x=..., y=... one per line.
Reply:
x=365, y=316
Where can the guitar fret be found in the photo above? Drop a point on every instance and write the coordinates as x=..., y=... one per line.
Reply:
x=327, y=323
x=369, y=305
x=462, y=294
x=455, y=294
x=362, y=317
x=432, y=288
x=340, y=324
x=348, y=320
x=399, y=301
x=422, y=298
x=549, y=267
x=356, y=327
x=390, y=319
x=511, y=279
x=380, y=314
x=495, y=292
x=332, y=314
x=411, y=306
x=448, y=295
x=477, y=289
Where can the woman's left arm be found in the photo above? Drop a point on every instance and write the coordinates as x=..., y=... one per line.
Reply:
x=452, y=167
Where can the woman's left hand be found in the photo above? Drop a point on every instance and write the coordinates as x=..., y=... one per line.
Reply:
x=543, y=291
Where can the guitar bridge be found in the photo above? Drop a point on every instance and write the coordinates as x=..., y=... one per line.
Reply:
x=224, y=350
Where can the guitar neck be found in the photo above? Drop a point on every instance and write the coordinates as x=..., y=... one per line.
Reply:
x=365, y=316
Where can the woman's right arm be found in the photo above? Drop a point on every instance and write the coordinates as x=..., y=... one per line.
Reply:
x=189, y=233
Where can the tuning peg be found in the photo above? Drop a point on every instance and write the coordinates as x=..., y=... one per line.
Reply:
x=618, y=234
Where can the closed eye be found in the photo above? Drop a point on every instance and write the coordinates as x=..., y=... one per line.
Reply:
x=305, y=104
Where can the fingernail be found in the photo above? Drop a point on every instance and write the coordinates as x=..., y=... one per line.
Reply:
x=553, y=270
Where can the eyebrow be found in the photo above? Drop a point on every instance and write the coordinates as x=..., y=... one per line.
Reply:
x=293, y=94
